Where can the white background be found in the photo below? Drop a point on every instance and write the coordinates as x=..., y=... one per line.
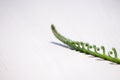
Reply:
x=26, y=48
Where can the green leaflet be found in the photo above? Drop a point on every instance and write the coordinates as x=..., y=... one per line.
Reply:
x=87, y=48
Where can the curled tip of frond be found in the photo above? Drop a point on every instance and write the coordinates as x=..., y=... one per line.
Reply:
x=52, y=27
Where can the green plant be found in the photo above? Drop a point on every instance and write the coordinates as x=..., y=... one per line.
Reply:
x=87, y=48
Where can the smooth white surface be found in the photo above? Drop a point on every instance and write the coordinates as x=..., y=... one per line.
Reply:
x=26, y=51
